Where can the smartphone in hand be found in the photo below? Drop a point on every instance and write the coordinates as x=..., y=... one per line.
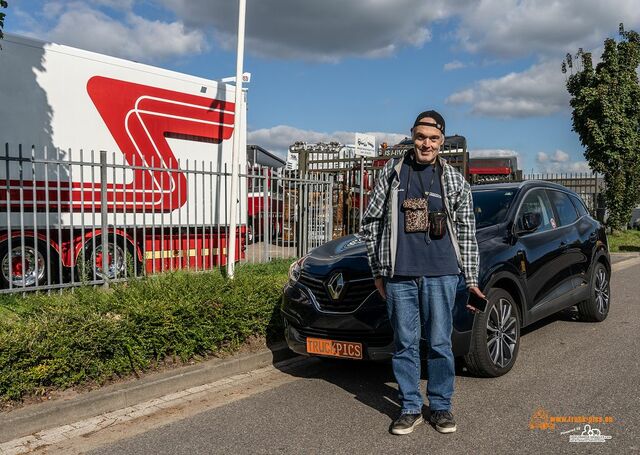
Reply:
x=477, y=302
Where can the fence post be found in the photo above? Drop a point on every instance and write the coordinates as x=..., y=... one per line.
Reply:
x=329, y=208
x=103, y=217
x=361, y=189
x=266, y=212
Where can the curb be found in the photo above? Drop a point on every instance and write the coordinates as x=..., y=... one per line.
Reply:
x=37, y=417
x=625, y=263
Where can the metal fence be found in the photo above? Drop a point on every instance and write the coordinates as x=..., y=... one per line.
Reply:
x=90, y=218
x=70, y=218
x=355, y=178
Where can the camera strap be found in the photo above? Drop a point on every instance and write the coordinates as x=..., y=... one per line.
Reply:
x=420, y=179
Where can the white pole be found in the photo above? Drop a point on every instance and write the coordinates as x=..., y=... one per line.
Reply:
x=361, y=189
x=237, y=141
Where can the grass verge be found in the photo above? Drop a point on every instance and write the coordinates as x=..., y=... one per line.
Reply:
x=94, y=335
x=624, y=241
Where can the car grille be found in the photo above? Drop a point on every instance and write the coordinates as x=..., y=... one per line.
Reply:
x=356, y=291
x=367, y=338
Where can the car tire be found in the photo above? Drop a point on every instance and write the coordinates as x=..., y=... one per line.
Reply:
x=495, y=337
x=596, y=308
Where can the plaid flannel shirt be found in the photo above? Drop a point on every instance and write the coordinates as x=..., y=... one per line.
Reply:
x=380, y=221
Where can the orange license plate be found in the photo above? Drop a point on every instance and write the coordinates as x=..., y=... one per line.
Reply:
x=347, y=349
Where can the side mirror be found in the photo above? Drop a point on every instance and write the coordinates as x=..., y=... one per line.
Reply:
x=530, y=221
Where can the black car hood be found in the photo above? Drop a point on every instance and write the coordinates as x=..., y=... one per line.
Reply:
x=347, y=253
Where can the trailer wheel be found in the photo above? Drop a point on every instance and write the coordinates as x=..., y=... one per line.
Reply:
x=26, y=264
x=121, y=260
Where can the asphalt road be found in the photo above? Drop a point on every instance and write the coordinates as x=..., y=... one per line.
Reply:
x=564, y=367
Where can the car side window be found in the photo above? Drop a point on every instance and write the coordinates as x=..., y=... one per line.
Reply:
x=580, y=207
x=564, y=207
x=536, y=201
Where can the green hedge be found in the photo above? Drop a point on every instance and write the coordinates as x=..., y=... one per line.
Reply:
x=93, y=335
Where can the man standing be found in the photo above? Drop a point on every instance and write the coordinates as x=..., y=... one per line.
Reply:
x=419, y=229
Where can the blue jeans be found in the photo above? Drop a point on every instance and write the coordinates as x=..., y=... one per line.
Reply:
x=409, y=298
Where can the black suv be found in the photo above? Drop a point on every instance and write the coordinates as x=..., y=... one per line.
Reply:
x=540, y=252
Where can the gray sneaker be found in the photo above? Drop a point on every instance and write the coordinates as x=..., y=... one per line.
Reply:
x=406, y=423
x=443, y=421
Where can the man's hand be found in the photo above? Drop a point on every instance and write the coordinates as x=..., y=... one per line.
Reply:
x=476, y=290
x=380, y=287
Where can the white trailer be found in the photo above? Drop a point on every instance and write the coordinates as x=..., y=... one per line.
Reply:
x=92, y=142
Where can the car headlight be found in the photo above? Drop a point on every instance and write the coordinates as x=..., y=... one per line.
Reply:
x=295, y=269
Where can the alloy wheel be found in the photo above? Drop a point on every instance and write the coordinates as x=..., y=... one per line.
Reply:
x=602, y=291
x=502, y=335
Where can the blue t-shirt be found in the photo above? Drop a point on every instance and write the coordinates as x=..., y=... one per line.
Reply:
x=418, y=254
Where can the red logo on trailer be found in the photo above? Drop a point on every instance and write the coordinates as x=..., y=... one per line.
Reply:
x=140, y=118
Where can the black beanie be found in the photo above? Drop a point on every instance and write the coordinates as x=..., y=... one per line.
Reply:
x=439, y=120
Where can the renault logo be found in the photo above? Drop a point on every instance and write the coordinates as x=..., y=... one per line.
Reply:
x=336, y=286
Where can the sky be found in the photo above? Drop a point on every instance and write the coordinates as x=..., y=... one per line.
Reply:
x=323, y=70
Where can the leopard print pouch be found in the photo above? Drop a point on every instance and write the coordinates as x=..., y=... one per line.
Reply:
x=416, y=215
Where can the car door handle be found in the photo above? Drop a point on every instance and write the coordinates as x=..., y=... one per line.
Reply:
x=563, y=244
x=593, y=237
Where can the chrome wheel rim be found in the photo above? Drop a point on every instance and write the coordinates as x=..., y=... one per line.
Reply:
x=602, y=291
x=31, y=273
x=502, y=333
x=115, y=261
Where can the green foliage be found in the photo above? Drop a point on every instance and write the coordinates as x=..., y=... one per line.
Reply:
x=3, y=4
x=606, y=116
x=93, y=335
x=624, y=241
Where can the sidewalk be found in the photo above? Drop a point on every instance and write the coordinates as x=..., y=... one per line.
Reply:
x=58, y=413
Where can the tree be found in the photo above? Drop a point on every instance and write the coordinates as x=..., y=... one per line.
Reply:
x=3, y=4
x=606, y=116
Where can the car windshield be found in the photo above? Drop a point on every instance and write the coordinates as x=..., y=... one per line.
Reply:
x=490, y=206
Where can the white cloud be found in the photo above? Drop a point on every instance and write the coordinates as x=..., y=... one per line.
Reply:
x=462, y=97
x=514, y=28
x=565, y=168
x=326, y=30
x=88, y=27
x=333, y=29
x=560, y=157
x=279, y=138
x=559, y=162
x=454, y=65
x=538, y=91
x=330, y=30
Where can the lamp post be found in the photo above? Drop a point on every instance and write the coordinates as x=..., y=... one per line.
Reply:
x=235, y=157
